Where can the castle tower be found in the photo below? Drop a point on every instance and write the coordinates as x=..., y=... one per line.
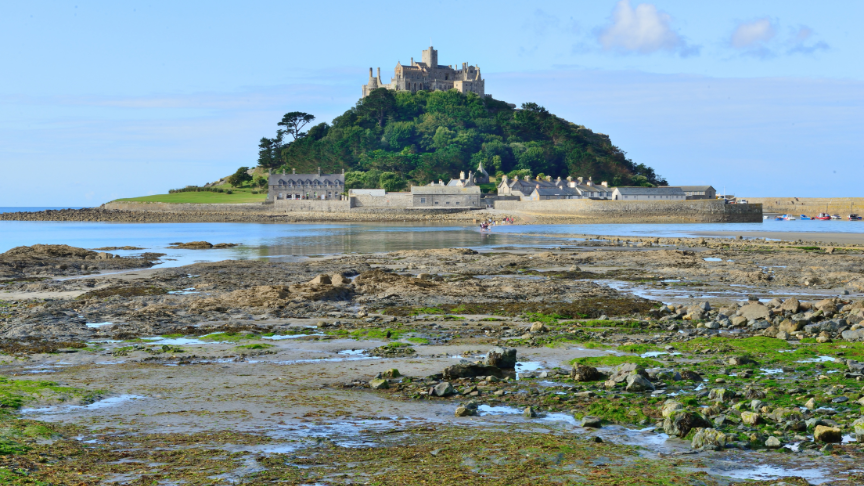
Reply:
x=430, y=57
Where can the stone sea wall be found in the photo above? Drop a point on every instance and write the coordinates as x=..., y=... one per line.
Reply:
x=811, y=206
x=589, y=211
x=400, y=200
x=197, y=208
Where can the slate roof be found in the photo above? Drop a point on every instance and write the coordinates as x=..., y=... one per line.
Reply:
x=323, y=179
x=556, y=191
x=695, y=188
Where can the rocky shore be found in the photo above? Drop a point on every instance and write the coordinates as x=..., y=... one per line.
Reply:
x=719, y=358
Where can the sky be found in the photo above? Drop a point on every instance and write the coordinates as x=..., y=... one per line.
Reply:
x=101, y=100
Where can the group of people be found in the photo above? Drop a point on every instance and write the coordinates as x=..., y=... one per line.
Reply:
x=487, y=225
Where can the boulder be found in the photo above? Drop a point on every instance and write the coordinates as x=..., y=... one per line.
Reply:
x=741, y=360
x=827, y=306
x=622, y=371
x=791, y=304
x=539, y=327
x=823, y=433
x=773, y=443
x=679, y=423
x=637, y=383
x=443, y=389
x=391, y=373
x=473, y=370
x=738, y=321
x=585, y=373
x=790, y=326
x=591, y=422
x=858, y=426
x=670, y=407
x=529, y=412
x=379, y=384
x=690, y=375
x=340, y=280
x=708, y=439
x=467, y=409
x=750, y=418
x=720, y=395
x=856, y=335
x=501, y=357
x=754, y=312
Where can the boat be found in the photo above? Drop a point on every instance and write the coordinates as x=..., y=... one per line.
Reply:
x=804, y=217
x=854, y=217
x=823, y=217
x=835, y=216
x=784, y=217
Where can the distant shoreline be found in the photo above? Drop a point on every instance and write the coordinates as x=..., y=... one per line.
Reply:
x=842, y=238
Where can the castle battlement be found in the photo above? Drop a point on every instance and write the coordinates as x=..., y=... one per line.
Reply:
x=428, y=75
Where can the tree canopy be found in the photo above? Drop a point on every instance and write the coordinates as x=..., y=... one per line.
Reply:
x=426, y=136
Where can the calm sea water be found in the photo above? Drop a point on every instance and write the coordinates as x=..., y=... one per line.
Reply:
x=284, y=241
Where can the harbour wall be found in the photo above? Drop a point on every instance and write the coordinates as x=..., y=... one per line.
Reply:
x=186, y=207
x=590, y=211
x=811, y=206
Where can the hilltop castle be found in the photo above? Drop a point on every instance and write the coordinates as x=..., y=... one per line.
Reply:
x=428, y=75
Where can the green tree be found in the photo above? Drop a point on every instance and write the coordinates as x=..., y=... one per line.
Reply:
x=294, y=123
x=377, y=105
x=238, y=178
x=391, y=182
x=260, y=182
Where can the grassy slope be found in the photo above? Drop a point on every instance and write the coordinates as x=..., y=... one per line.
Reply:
x=240, y=195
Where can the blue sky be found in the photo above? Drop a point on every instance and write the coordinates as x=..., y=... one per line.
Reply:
x=118, y=99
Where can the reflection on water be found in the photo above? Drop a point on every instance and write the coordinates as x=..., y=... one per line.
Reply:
x=284, y=241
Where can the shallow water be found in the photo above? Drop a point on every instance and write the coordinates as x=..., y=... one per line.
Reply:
x=97, y=405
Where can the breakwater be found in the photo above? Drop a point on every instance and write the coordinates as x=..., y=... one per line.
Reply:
x=590, y=211
x=810, y=206
x=551, y=212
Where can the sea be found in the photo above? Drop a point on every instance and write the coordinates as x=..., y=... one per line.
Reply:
x=286, y=241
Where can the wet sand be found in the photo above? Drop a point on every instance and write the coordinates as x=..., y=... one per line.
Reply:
x=826, y=238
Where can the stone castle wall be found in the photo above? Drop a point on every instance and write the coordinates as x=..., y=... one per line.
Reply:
x=589, y=211
x=811, y=206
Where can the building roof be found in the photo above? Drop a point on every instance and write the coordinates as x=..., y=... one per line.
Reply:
x=695, y=188
x=324, y=179
x=438, y=189
x=650, y=191
x=556, y=191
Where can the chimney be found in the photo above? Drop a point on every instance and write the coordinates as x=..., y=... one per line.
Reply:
x=293, y=170
x=319, y=171
x=283, y=171
x=412, y=61
x=462, y=175
x=548, y=178
x=590, y=182
x=605, y=184
x=379, y=77
x=440, y=182
x=504, y=178
x=558, y=179
x=527, y=178
x=343, y=171
x=269, y=172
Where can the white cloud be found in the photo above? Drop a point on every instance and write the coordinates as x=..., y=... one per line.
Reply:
x=642, y=30
x=753, y=34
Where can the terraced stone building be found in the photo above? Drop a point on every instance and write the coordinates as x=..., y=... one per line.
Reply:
x=306, y=186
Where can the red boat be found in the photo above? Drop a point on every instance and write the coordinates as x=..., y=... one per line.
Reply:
x=823, y=217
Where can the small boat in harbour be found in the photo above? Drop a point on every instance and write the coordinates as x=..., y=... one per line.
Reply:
x=823, y=217
x=784, y=217
x=804, y=217
x=835, y=216
x=854, y=217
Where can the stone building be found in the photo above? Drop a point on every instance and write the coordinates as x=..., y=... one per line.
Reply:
x=581, y=189
x=698, y=192
x=440, y=196
x=648, y=194
x=306, y=186
x=428, y=75
x=473, y=179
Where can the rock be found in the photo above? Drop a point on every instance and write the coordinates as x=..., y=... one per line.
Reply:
x=340, y=280
x=858, y=427
x=773, y=443
x=379, y=384
x=750, y=418
x=637, y=382
x=690, y=375
x=811, y=404
x=827, y=306
x=591, y=422
x=502, y=357
x=720, y=395
x=856, y=335
x=741, y=361
x=680, y=423
x=670, y=407
x=622, y=371
x=585, y=373
x=443, y=389
x=473, y=370
x=827, y=434
x=738, y=321
x=790, y=326
x=391, y=373
x=754, y=311
x=462, y=411
x=791, y=304
x=529, y=412
x=708, y=439
x=539, y=327
x=783, y=335
x=705, y=306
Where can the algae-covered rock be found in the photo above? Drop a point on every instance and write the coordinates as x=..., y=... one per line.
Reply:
x=670, y=407
x=637, y=383
x=501, y=357
x=529, y=412
x=591, y=422
x=858, y=426
x=824, y=433
x=708, y=439
x=585, y=373
x=443, y=389
x=622, y=371
x=379, y=384
x=391, y=373
x=720, y=395
x=680, y=423
x=750, y=418
x=773, y=443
